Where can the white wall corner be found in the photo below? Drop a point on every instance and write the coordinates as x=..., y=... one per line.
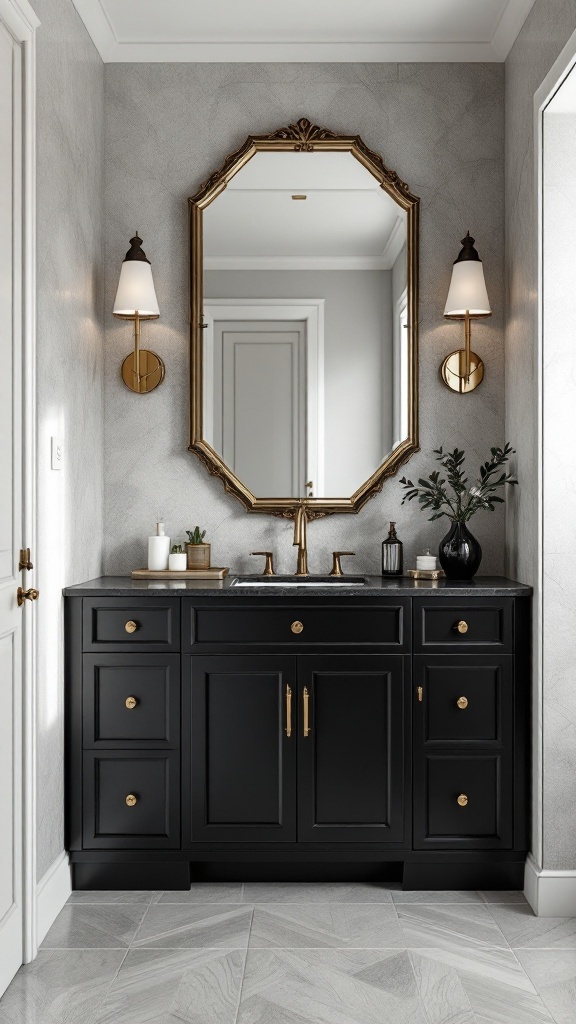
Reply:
x=52, y=892
x=550, y=893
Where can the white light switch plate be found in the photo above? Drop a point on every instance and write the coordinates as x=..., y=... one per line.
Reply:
x=57, y=453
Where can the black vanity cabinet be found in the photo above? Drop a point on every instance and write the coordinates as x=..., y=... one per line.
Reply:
x=306, y=748
x=225, y=735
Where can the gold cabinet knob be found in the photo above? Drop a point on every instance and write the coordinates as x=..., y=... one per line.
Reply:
x=462, y=800
x=131, y=800
x=296, y=627
x=131, y=702
x=131, y=626
x=462, y=626
x=462, y=703
x=26, y=595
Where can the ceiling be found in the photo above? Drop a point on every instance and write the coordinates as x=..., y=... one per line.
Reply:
x=346, y=220
x=303, y=30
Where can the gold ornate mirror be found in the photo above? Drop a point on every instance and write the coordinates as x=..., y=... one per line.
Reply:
x=304, y=333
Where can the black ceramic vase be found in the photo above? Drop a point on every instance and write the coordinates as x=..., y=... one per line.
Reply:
x=460, y=553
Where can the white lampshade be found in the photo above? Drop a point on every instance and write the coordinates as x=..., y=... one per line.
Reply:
x=136, y=290
x=467, y=290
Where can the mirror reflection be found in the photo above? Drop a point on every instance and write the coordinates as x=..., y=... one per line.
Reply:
x=305, y=348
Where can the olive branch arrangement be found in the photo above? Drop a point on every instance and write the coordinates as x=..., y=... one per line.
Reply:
x=465, y=501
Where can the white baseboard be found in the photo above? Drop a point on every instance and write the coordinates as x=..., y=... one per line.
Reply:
x=52, y=891
x=550, y=893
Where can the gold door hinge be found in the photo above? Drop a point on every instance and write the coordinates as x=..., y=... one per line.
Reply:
x=25, y=562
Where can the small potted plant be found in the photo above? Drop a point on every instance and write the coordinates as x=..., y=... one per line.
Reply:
x=177, y=558
x=460, y=553
x=198, y=553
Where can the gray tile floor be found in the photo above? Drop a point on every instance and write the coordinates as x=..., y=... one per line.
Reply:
x=298, y=954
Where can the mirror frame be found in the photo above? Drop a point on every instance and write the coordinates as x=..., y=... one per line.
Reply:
x=301, y=137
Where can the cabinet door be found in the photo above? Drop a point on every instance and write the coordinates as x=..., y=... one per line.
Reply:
x=243, y=755
x=351, y=764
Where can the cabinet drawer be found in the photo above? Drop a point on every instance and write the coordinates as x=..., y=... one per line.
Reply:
x=463, y=701
x=298, y=625
x=151, y=780
x=122, y=624
x=472, y=625
x=465, y=800
x=131, y=700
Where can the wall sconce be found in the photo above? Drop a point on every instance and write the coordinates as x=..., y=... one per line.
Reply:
x=467, y=300
x=142, y=370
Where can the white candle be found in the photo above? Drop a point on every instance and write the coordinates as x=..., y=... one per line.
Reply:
x=426, y=561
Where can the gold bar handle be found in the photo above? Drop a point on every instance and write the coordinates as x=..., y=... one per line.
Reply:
x=288, y=711
x=306, y=701
x=420, y=693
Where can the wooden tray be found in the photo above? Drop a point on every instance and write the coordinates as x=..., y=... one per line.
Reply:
x=213, y=573
x=426, y=574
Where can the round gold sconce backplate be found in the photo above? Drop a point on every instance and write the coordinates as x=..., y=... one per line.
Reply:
x=452, y=371
x=151, y=372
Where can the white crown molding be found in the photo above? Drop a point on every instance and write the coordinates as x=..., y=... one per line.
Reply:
x=293, y=53
x=114, y=50
x=98, y=26
x=508, y=28
x=20, y=16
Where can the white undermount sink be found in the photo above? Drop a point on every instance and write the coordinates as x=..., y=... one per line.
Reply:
x=307, y=581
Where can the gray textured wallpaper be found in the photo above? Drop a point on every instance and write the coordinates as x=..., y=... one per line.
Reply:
x=70, y=113
x=546, y=31
x=167, y=128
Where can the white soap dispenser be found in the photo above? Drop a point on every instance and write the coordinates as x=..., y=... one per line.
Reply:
x=158, y=550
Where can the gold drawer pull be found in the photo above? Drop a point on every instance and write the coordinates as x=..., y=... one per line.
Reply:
x=296, y=627
x=305, y=702
x=462, y=703
x=462, y=800
x=131, y=800
x=131, y=626
x=420, y=693
x=462, y=626
x=288, y=711
x=131, y=702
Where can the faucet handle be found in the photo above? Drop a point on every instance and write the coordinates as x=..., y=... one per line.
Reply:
x=336, y=567
x=269, y=567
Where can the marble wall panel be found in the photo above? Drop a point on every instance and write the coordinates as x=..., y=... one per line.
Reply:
x=167, y=128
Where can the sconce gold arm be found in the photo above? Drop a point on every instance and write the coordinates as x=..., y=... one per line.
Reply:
x=463, y=370
x=142, y=370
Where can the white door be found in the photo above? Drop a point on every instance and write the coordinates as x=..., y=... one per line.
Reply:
x=11, y=931
x=260, y=375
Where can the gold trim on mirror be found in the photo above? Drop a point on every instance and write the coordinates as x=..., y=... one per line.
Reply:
x=301, y=137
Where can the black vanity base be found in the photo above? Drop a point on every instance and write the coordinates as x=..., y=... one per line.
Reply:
x=433, y=872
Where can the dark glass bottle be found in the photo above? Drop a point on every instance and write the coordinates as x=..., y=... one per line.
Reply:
x=392, y=554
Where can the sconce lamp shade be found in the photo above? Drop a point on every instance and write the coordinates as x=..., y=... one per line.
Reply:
x=467, y=292
x=136, y=291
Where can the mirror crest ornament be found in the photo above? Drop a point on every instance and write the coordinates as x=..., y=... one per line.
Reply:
x=304, y=137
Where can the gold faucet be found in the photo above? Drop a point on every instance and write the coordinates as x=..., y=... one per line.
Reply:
x=300, y=520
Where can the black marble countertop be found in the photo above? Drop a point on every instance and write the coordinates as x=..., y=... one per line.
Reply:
x=377, y=586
